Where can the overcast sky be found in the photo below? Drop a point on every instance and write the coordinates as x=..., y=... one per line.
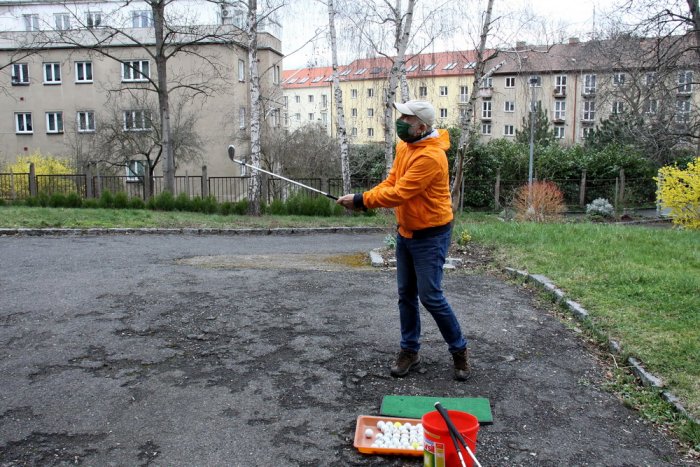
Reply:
x=562, y=18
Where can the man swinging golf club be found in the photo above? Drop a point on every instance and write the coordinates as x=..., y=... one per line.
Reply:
x=419, y=191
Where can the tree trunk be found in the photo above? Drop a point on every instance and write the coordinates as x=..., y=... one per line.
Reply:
x=467, y=124
x=254, y=190
x=340, y=115
x=158, y=8
x=398, y=71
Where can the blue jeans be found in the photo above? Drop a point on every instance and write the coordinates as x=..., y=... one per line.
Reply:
x=419, y=272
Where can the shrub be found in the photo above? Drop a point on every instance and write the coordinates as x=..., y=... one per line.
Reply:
x=543, y=202
x=73, y=200
x=600, y=208
x=463, y=237
x=182, y=202
x=136, y=203
x=679, y=191
x=91, y=203
x=121, y=200
x=106, y=200
x=278, y=208
x=390, y=241
x=209, y=205
x=163, y=202
x=57, y=200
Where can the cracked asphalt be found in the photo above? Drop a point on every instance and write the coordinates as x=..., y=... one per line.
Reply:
x=180, y=350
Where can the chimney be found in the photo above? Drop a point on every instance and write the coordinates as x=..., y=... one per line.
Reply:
x=573, y=40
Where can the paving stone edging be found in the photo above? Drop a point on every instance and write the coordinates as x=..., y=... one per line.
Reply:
x=559, y=297
x=185, y=231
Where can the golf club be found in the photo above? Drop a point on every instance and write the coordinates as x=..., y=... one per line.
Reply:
x=454, y=433
x=232, y=156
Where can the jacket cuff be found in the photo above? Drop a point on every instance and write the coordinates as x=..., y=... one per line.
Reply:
x=358, y=201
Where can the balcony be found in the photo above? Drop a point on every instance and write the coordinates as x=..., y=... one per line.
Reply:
x=558, y=120
x=588, y=93
x=559, y=92
x=588, y=122
x=486, y=93
x=486, y=118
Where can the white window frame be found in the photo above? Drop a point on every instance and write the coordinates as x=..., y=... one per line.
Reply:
x=685, y=82
x=509, y=106
x=135, y=170
x=534, y=81
x=136, y=71
x=486, y=83
x=31, y=22
x=370, y=132
x=588, y=111
x=83, y=72
x=23, y=123
x=559, y=131
x=586, y=132
x=93, y=19
x=85, y=120
x=413, y=67
x=509, y=82
x=443, y=91
x=353, y=94
x=617, y=107
x=140, y=120
x=422, y=91
x=618, y=79
x=241, y=118
x=297, y=99
x=370, y=92
x=650, y=78
x=485, y=128
x=241, y=70
x=683, y=110
x=463, y=94
x=353, y=112
x=560, y=110
x=590, y=84
x=20, y=74
x=54, y=122
x=430, y=67
x=651, y=106
x=509, y=130
x=142, y=19
x=450, y=66
x=311, y=98
x=52, y=72
x=443, y=112
x=370, y=112
x=312, y=117
x=324, y=101
x=62, y=21
x=486, y=109
x=353, y=132
x=560, y=84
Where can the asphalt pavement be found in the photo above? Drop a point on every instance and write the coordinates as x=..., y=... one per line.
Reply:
x=217, y=350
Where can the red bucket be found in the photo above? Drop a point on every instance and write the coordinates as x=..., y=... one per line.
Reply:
x=439, y=450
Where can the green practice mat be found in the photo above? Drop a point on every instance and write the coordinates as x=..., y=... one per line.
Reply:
x=417, y=406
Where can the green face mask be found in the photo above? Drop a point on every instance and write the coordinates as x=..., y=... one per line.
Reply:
x=403, y=132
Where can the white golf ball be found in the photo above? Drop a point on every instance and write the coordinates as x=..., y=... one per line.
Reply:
x=369, y=433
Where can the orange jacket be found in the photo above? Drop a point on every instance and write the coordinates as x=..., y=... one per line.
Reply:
x=418, y=185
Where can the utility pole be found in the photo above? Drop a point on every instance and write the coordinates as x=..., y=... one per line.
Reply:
x=533, y=81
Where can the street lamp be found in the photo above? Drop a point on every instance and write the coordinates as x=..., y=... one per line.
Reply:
x=534, y=81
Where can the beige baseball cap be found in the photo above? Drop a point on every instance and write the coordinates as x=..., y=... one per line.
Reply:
x=421, y=109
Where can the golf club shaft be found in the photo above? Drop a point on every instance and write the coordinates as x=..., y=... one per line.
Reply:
x=453, y=430
x=285, y=178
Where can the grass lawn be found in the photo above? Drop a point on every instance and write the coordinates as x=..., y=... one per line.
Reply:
x=641, y=285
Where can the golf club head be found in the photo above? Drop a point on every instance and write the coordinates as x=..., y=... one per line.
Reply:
x=232, y=152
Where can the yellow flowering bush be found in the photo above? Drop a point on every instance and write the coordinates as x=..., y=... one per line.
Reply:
x=43, y=165
x=679, y=191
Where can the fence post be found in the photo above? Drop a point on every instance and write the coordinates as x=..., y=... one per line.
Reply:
x=147, y=184
x=205, y=182
x=622, y=187
x=582, y=189
x=32, y=180
x=187, y=184
x=13, y=193
x=98, y=185
x=88, y=181
x=497, y=191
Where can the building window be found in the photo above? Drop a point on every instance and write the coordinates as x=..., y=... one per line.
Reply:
x=508, y=130
x=486, y=83
x=93, y=19
x=618, y=107
x=535, y=81
x=23, y=123
x=353, y=93
x=618, y=79
x=510, y=81
x=589, y=84
x=20, y=74
x=137, y=120
x=443, y=91
x=509, y=106
x=486, y=109
x=560, y=85
x=52, y=73
x=443, y=113
x=297, y=99
x=241, y=70
x=324, y=119
x=422, y=91
x=276, y=75
x=135, y=170
x=353, y=132
x=275, y=118
x=297, y=117
x=463, y=94
x=587, y=132
x=142, y=19
x=413, y=67
x=650, y=79
x=463, y=114
x=311, y=116
x=62, y=21
x=370, y=92
x=685, y=82
x=485, y=128
x=682, y=111
x=324, y=101
x=588, y=111
x=430, y=67
x=311, y=98
x=370, y=132
x=135, y=70
x=286, y=102
x=450, y=66
x=31, y=22
x=83, y=72
x=241, y=118
x=559, y=110
x=54, y=122
x=651, y=106
x=559, y=132
x=353, y=112
x=370, y=112
x=86, y=121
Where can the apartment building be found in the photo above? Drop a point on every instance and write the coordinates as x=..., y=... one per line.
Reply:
x=57, y=96
x=308, y=93
x=578, y=84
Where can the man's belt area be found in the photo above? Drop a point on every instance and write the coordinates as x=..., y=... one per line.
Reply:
x=431, y=231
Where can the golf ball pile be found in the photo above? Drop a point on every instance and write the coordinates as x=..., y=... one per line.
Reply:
x=395, y=435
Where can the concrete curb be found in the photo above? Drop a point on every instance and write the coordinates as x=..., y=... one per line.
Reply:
x=558, y=296
x=185, y=231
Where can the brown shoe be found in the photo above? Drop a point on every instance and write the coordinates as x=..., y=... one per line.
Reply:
x=462, y=368
x=405, y=360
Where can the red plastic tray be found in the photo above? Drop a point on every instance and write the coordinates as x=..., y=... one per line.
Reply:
x=364, y=444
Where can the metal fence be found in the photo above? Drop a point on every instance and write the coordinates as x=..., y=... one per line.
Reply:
x=14, y=186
